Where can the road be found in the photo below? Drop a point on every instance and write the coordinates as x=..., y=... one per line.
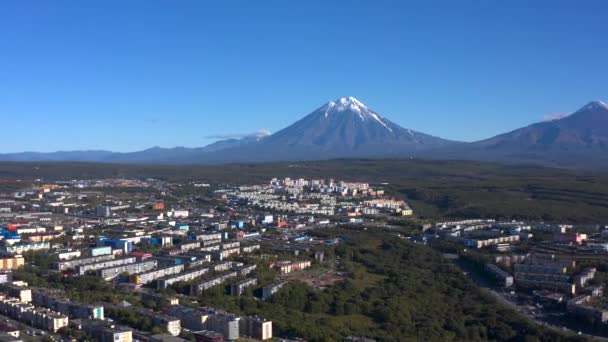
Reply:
x=502, y=297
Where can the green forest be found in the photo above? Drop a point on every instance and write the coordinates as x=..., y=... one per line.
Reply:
x=435, y=189
x=395, y=291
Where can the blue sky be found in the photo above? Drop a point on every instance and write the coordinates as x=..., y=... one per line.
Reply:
x=127, y=75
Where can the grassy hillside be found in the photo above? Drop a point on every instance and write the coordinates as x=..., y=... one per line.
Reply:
x=435, y=188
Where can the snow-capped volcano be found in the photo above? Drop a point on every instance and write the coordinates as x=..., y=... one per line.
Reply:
x=345, y=128
x=351, y=104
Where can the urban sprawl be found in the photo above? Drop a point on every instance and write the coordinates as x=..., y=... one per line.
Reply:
x=160, y=247
x=167, y=249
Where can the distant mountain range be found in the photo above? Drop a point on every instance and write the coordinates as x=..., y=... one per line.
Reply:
x=577, y=140
x=346, y=128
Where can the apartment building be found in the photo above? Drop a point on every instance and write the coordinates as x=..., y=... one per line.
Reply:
x=40, y=237
x=580, y=306
x=21, y=248
x=474, y=243
x=148, y=277
x=198, y=288
x=159, y=298
x=208, y=336
x=231, y=245
x=269, y=290
x=192, y=318
x=245, y=270
x=189, y=246
x=227, y=324
x=509, y=260
x=292, y=266
x=12, y=263
x=224, y=323
x=163, y=283
x=225, y=253
x=250, y=248
x=83, y=269
x=168, y=323
x=6, y=277
x=240, y=286
x=206, y=237
x=68, y=255
x=206, y=243
x=54, y=301
x=73, y=263
x=584, y=277
x=29, y=314
x=24, y=294
x=104, y=332
x=97, y=251
x=210, y=249
x=110, y=273
x=550, y=276
x=224, y=266
x=256, y=327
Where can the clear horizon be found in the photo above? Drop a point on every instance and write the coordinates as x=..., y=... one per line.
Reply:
x=110, y=75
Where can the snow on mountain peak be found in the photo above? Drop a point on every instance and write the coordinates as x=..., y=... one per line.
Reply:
x=345, y=104
x=596, y=105
x=351, y=104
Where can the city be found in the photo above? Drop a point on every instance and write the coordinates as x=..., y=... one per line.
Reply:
x=303, y=171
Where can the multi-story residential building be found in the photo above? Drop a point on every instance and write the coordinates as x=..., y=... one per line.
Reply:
x=540, y=269
x=250, y=248
x=12, y=263
x=148, y=277
x=35, y=316
x=110, y=273
x=103, y=250
x=21, y=248
x=54, y=301
x=292, y=266
x=192, y=318
x=104, y=332
x=159, y=298
x=6, y=277
x=40, y=237
x=206, y=243
x=198, y=288
x=168, y=323
x=584, y=277
x=225, y=253
x=224, y=323
x=509, y=260
x=208, y=336
x=580, y=307
x=163, y=283
x=244, y=270
x=206, y=236
x=240, y=286
x=210, y=249
x=68, y=255
x=189, y=246
x=231, y=245
x=256, y=327
x=71, y=264
x=84, y=268
x=551, y=276
x=269, y=290
x=224, y=266
x=24, y=294
x=473, y=243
